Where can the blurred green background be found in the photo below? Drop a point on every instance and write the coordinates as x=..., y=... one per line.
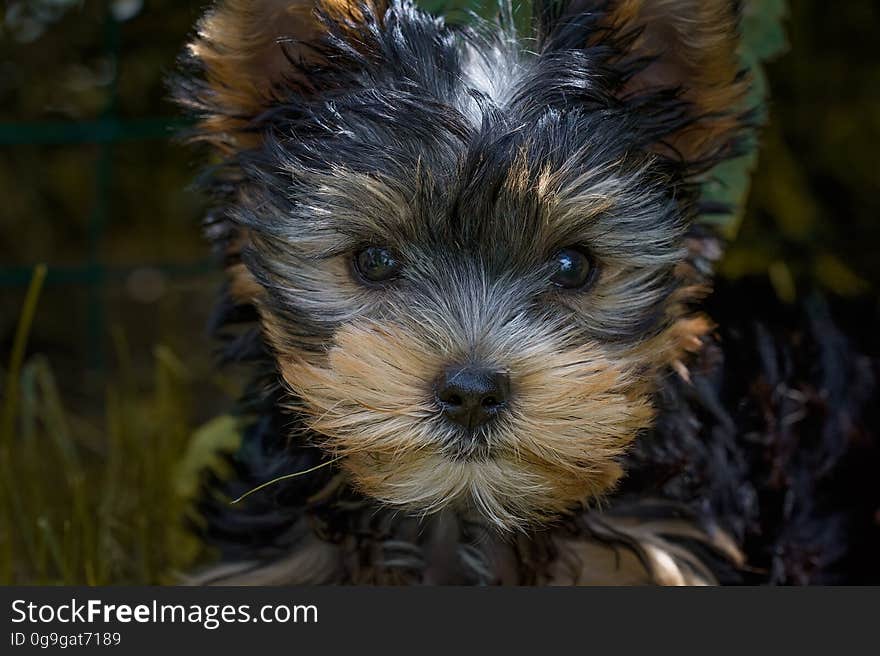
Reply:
x=100, y=405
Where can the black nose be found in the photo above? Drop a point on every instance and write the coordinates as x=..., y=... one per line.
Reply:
x=470, y=396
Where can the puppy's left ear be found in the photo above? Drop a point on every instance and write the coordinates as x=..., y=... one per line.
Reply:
x=675, y=60
x=685, y=52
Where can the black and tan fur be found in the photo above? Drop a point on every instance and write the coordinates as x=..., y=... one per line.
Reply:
x=474, y=153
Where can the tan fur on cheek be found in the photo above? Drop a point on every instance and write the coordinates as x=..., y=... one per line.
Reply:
x=370, y=399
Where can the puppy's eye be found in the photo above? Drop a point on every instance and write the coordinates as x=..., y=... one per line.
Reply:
x=572, y=269
x=376, y=264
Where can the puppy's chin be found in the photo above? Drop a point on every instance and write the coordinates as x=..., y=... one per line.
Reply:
x=506, y=493
x=573, y=412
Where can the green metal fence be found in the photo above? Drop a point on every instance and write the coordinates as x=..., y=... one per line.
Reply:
x=106, y=132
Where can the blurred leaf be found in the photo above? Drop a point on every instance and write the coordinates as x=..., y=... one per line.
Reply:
x=763, y=38
x=763, y=32
x=836, y=275
x=219, y=435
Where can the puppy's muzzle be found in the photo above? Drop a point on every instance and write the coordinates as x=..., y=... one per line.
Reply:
x=470, y=396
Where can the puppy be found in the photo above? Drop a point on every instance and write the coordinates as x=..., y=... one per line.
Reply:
x=469, y=265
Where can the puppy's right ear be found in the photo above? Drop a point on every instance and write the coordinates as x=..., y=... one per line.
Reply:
x=249, y=54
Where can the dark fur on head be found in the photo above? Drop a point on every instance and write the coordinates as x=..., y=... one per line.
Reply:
x=474, y=154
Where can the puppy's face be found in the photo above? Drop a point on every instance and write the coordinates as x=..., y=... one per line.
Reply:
x=468, y=259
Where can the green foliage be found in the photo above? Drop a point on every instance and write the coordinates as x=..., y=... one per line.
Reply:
x=763, y=38
x=219, y=435
x=811, y=215
x=98, y=503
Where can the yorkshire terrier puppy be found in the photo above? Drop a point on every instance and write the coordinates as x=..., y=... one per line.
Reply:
x=471, y=269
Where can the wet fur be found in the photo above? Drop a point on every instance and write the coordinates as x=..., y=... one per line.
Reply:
x=475, y=153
